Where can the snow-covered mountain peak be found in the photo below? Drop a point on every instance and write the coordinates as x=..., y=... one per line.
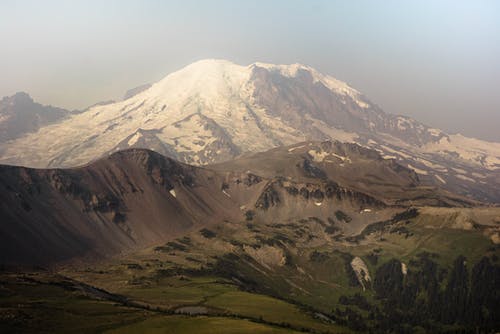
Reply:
x=209, y=78
x=209, y=71
x=204, y=80
x=214, y=110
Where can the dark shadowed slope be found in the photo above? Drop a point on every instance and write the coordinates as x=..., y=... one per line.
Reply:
x=130, y=200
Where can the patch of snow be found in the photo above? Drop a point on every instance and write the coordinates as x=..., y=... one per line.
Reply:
x=226, y=193
x=439, y=178
x=402, y=123
x=361, y=271
x=386, y=149
x=460, y=170
x=495, y=238
x=465, y=178
x=434, y=166
x=134, y=139
x=435, y=132
x=419, y=171
x=474, y=151
x=172, y=192
x=404, y=269
x=291, y=149
x=341, y=157
x=318, y=156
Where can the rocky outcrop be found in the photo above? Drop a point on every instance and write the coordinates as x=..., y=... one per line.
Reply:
x=268, y=198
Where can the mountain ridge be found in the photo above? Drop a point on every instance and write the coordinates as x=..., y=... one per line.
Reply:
x=136, y=198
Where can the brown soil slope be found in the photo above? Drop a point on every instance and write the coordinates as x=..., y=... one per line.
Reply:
x=130, y=200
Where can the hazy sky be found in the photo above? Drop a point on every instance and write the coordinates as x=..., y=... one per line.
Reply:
x=437, y=61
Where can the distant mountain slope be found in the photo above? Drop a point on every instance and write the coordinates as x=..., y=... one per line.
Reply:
x=214, y=110
x=20, y=115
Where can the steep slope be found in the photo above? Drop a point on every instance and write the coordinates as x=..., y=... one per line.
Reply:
x=214, y=110
x=130, y=200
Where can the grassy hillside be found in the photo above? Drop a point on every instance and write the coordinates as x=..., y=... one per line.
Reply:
x=424, y=269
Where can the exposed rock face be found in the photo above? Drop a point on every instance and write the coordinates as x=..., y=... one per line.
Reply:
x=311, y=170
x=251, y=179
x=268, y=198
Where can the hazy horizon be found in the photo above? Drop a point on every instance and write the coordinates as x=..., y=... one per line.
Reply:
x=438, y=62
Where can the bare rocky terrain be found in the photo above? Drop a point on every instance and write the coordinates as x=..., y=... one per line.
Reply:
x=136, y=198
